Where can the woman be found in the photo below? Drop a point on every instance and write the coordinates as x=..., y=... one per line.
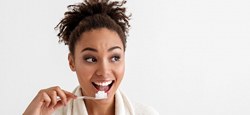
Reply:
x=95, y=32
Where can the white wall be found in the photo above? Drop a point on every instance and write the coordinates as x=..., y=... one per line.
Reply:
x=187, y=57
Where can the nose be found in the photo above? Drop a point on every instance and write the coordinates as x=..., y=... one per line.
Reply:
x=103, y=69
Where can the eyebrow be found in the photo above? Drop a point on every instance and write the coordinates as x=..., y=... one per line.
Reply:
x=115, y=47
x=95, y=50
x=89, y=49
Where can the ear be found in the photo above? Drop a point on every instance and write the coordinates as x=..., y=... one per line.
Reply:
x=71, y=62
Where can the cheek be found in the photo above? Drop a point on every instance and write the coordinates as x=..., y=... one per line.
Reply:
x=84, y=73
x=120, y=71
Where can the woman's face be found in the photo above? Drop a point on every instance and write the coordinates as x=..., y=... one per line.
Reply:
x=99, y=62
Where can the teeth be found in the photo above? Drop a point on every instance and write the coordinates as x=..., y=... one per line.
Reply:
x=103, y=83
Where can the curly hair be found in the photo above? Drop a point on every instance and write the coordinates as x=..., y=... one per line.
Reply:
x=93, y=14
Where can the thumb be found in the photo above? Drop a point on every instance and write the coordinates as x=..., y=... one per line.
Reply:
x=58, y=105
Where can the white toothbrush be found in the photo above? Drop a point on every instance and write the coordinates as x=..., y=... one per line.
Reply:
x=98, y=96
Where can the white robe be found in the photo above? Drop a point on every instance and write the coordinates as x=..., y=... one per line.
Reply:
x=122, y=106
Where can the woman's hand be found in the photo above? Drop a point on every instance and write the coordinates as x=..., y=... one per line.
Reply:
x=46, y=101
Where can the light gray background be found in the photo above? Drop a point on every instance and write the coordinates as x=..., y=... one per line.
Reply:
x=187, y=57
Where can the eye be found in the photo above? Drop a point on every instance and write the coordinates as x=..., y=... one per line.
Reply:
x=115, y=58
x=90, y=59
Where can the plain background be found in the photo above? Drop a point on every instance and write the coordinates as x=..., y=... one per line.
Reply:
x=187, y=57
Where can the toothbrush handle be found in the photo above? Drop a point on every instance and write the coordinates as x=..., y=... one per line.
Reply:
x=85, y=97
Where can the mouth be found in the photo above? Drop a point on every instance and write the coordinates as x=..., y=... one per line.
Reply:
x=103, y=86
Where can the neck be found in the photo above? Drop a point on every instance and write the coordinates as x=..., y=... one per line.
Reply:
x=100, y=107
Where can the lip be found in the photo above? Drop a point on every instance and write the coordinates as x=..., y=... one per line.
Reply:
x=103, y=81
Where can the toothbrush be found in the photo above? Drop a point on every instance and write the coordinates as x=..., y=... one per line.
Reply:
x=98, y=96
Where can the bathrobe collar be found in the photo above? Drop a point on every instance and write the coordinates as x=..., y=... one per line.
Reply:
x=122, y=105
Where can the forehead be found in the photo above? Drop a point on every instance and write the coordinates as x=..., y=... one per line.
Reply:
x=102, y=38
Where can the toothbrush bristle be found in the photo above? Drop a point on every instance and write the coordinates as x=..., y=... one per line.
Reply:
x=101, y=95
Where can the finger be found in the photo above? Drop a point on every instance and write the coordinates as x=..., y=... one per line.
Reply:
x=45, y=98
x=59, y=104
x=53, y=97
x=62, y=95
x=69, y=94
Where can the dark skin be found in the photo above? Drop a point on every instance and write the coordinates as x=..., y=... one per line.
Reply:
x=98, y=58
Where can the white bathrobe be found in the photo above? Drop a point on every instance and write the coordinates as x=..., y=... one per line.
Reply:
x=122, y=106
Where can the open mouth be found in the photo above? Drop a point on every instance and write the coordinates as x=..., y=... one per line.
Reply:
x=103, y=86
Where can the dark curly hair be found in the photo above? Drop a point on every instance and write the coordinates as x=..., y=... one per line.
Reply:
x=93, y=14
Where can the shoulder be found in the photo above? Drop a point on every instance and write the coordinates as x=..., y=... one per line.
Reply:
x=142, y=109
x=65, y=110
x=138, y=108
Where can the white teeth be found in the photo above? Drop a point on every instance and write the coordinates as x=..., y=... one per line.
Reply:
x=103, y=83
